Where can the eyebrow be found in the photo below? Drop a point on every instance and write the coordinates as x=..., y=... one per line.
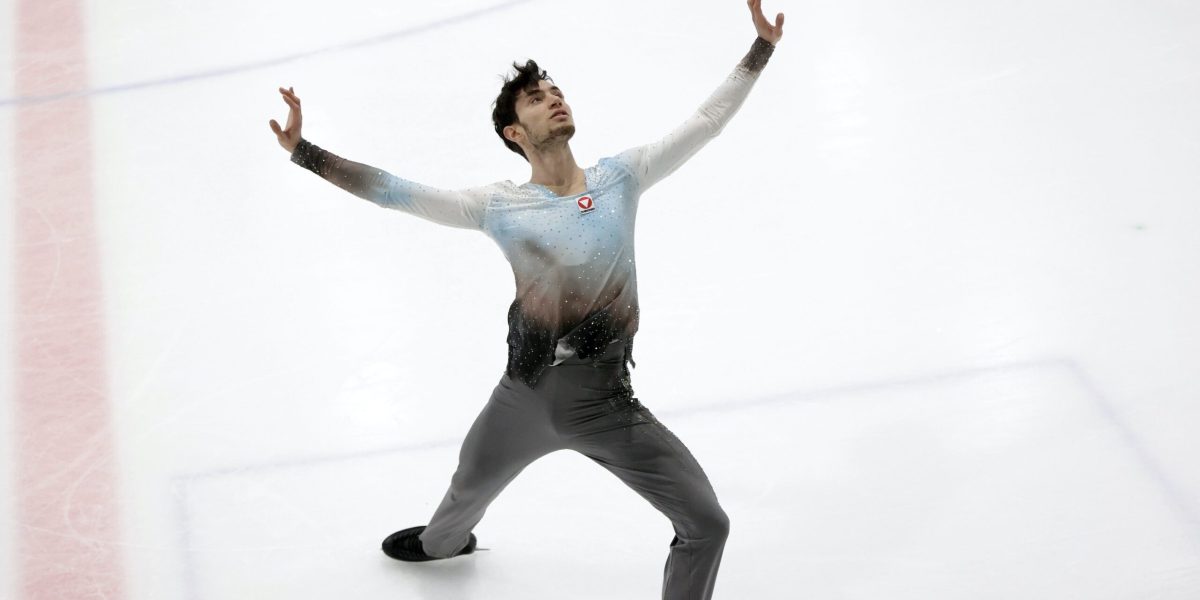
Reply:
x=530, y=94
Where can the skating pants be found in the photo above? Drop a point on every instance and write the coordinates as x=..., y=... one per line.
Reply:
x=588, y=408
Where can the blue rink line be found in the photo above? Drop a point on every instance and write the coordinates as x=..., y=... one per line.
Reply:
x=1176, y=498
x=263, y=64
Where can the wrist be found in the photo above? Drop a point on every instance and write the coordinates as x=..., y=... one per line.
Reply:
x=760, y=52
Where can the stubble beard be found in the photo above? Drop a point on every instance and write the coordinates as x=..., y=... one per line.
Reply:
x=558, y=136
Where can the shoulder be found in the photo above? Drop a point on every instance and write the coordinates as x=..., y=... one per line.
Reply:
x=617, y=165
x=491, y=191
x=503, y=194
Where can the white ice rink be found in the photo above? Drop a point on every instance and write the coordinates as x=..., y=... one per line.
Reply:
x=927, y=312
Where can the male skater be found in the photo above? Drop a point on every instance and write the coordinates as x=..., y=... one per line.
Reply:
x=568, y=234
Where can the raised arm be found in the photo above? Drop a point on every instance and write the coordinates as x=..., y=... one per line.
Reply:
x=462, y=209
x=651, y=162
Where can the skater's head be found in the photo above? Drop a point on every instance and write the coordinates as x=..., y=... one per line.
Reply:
x=531, y=112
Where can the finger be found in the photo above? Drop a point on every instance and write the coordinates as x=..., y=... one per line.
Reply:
x=758, y=13
x=275, y=127
x=779, y=22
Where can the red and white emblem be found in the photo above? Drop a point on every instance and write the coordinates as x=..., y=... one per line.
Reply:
x=585, y=204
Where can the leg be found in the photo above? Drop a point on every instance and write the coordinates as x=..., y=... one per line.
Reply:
x=651, y=460
x=508, y=434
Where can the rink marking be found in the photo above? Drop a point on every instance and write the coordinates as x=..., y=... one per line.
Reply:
x=67, y=540
x=21, y=100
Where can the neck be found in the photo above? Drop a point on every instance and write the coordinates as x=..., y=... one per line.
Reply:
x=554, y=167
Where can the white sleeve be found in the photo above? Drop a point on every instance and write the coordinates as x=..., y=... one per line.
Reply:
x=455, y=208
x=652, y=162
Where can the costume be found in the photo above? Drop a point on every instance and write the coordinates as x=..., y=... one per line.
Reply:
x=571, y=329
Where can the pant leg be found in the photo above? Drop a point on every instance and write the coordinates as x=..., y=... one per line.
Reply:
x=653, y=462
x=511, y=432
x=617, y=432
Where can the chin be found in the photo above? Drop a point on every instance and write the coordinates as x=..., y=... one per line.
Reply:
x=559, y=134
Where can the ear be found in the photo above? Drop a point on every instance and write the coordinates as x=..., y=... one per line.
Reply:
x=514, y=133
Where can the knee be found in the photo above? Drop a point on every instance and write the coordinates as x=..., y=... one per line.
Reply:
x=720, y=525
x=468, y=477
x=463, y=481
x=713, y=524
x=479, y=476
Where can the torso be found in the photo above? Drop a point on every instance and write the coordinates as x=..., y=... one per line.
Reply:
x=572, y=254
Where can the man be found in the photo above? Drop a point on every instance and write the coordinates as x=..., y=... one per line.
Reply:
x=568, y=234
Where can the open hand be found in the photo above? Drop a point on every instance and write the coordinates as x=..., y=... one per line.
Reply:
x=290, y=137
x=765, y=30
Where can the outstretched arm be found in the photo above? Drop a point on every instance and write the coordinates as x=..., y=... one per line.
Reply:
x=462, y=209
x=454, y=208
x=651, y=162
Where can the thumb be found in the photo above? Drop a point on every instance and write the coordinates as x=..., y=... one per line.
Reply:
x=275, y=127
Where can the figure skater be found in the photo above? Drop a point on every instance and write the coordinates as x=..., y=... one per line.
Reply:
x=568, y=234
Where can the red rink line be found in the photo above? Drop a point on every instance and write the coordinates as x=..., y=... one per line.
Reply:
x=67, y=517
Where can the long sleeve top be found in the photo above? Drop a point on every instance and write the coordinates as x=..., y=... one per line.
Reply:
x=572, y=256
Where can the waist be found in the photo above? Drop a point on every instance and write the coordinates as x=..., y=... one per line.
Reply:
x=614, y=353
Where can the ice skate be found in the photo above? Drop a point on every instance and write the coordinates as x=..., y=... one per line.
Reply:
x=406, y=545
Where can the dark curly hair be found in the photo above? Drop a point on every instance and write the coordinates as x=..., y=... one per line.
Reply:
x=504, y=111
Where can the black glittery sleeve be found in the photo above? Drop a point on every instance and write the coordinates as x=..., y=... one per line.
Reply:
x=308, y=156
x=757, y=57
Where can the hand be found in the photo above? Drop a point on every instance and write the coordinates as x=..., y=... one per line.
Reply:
x=290, y=137
x=765, y=30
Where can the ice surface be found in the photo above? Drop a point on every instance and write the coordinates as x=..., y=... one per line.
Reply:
x=945, y=262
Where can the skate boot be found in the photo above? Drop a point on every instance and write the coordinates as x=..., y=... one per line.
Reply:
x=405, y=545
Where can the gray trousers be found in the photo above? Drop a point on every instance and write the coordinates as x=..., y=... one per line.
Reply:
x=590, y=409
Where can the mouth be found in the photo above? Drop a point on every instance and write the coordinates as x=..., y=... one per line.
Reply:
x=558, y=113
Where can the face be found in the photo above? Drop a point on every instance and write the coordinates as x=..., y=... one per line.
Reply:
x=543, y=116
